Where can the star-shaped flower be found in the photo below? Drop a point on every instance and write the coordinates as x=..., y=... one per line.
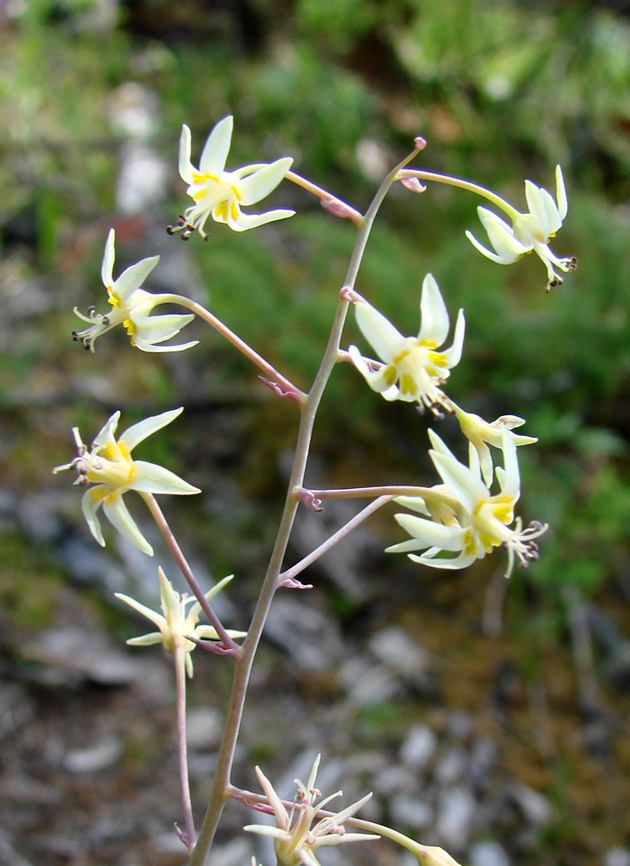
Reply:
x=295, y=840
x=464, y=517
x=108, y=465
x=220, y=193
x=175, y=623
x=131, y=307
x=529, y=231
x=414, y=367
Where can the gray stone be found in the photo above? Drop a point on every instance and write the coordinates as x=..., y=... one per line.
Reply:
x=451, y=766
x=488, y=853
x=419, y=747
x=98, y=756
x=203, y=728
x=410, y=812
x=456, y=812
x=534, y=806
x=617, y=857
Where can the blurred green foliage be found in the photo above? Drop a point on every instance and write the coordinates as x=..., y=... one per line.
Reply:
x=502, y=90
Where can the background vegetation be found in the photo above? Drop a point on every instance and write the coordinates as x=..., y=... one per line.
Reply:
x=502, y=91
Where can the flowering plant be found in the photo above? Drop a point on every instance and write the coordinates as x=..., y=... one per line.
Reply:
x=451, y=524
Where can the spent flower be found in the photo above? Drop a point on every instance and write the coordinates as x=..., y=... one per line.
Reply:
x=413, y=368
x=529, y=232
x=176, y=623
x=220, y=193
x=131, y=307
x=295, y=837
x=108, y=466
x=464, y=517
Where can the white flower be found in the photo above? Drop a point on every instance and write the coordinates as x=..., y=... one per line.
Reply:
x=529, y=231
x=483, y=433
x=132, y=307
x=175, y=623
x=414, y=367
x=295, y=840
x=221, y=193
x=464, y=517
x=110, y=467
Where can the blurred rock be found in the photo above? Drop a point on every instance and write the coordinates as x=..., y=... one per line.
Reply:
x=368, y=684
x=204, y=726
x=488, y=853
x=402, y=655
x=456, y=813
x=411, y=813
x=88, y=655
x=534, y=806
x=306, y=634
x=98, y=756
x=393, y=779
x=419, y=747
x=451, y=766
x=617, y=857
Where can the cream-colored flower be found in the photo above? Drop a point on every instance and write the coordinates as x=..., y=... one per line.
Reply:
x=109, y=466
x=483, y=433
x=529, y=231
x=132, y=308
x=175, y=623
x=222, y=193
x=414, y=367
x=464, y=518
x=295, y=840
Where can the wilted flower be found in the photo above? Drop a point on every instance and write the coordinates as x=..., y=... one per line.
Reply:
x=295, y=840
x=221, y=193
x=132, y=307
x=109, y=466
x=175, y=623
x=529, y=231
x=414, y=367
x=464, y=517
x=483, y=433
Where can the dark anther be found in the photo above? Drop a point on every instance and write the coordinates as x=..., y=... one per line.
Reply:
x=106, y=321
x=170, y=230
x=91, y=311
x=573, y=264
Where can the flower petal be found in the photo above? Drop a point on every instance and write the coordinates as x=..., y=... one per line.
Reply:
x=186, y=168
x=155, y=617
x=91, y=501
x=454, y=354
x=151, y=478
x=146, y=346
x=432, y=534
x=109, y=256
x=461, y=561
x=118, y=515
x=140, y=431
x=105, y=435
x=246, y=221
x=501, y=236
x=384, y=338
x=561, y=194
x=259, y=184
x=434, y=320
x=133, y=277
x=215, y=151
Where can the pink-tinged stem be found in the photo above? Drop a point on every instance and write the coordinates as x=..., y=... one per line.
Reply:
x=182, y=749
x=267, y=368
x=330, y=202
x=390, y=491
x=299, y=567
x=156, y=512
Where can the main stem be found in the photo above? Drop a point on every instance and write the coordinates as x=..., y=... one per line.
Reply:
x=243, y=665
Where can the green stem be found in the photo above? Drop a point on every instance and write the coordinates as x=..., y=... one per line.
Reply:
x=501, y=203
x=243, y=666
